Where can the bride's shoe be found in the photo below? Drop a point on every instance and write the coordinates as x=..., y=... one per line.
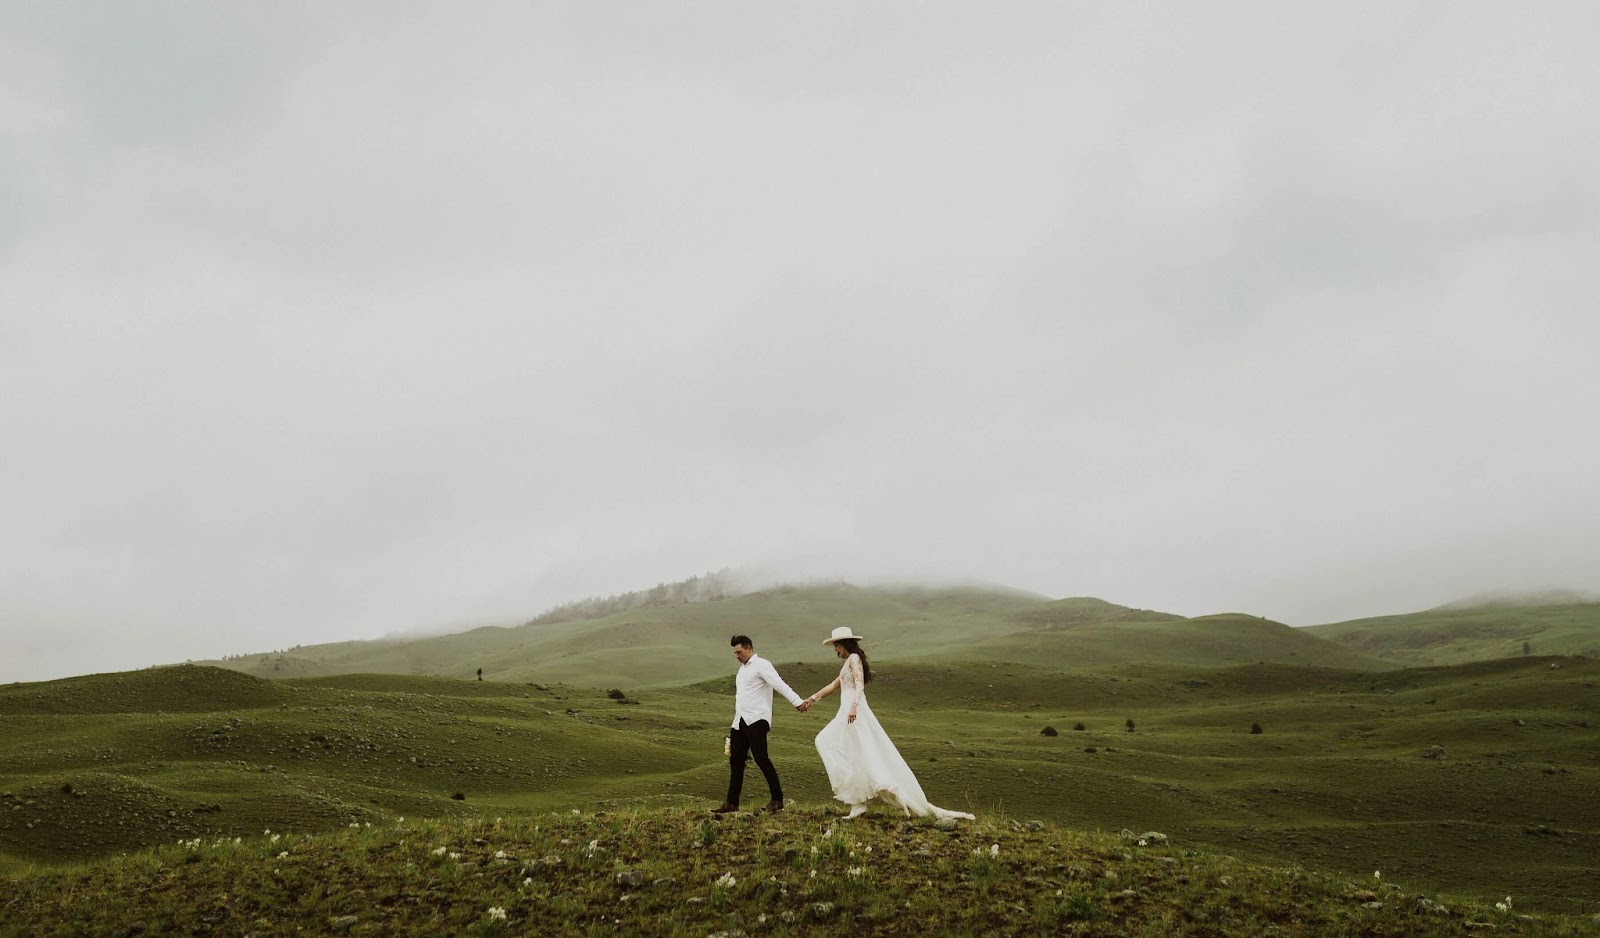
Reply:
x=856, y=810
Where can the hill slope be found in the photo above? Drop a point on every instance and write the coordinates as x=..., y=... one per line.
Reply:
x=176, y=689
x=675, y=642
x=1455, y=634
x=1344, y=774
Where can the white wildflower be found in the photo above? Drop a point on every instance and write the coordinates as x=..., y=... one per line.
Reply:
x=994, y=851
x=355, y=825
x=440, y=851
x=527, y=880
x=1376, y=874
x=283, y=855
x=813, y=874
x=499, y=854
x=725, y=881
x=576, y=812
x=855, y=871
x=496, y=914
x=275, y=837
x=454, y=855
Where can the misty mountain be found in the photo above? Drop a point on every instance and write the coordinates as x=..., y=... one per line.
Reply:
x=683, y=636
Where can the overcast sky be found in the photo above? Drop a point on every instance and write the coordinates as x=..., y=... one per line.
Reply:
x=323, y=321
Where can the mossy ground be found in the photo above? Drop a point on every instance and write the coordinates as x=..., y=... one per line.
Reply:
x=681, y=872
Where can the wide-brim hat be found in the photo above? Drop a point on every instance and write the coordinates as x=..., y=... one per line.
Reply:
x=840, y=634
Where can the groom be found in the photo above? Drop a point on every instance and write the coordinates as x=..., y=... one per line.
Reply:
x=752, y=719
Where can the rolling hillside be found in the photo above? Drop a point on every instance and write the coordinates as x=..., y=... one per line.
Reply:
x=1420, y=773
x=1456, y=633
x=669, y=643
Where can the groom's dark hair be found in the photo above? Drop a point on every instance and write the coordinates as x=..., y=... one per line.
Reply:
x=742, y=640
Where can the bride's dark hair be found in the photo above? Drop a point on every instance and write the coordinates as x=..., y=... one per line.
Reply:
x=853, y=647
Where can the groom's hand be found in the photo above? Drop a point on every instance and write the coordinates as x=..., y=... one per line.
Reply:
x=803, y=706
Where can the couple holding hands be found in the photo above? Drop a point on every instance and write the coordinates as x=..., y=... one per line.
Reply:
x=861, y=761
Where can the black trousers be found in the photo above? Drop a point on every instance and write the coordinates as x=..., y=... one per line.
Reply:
x=746, y=741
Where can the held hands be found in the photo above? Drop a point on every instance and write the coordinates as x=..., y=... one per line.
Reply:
x=852, y=717
x=804, y=705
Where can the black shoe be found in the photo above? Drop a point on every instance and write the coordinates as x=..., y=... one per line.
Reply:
x=773, y=807
x=725, y=808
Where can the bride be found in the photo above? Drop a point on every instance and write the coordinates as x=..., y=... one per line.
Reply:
x=862, y=762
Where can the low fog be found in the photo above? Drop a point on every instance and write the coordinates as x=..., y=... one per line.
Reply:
x=322, y=322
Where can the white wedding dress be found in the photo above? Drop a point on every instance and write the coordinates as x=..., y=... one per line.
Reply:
x=861, y=760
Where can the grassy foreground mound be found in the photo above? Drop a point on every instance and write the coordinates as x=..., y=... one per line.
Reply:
x=675, y=872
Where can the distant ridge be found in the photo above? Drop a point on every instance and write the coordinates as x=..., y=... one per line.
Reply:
x=1480, y=628
x=678, y=633
x=182, y=688
x=1521, y=599
x=722, y=584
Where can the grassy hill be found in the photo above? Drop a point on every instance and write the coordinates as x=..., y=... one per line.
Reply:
x=1129, y=636
x=177, y=690
x=1455, y=634
x=670, y=643
x=1343, y=777
x=677, y=872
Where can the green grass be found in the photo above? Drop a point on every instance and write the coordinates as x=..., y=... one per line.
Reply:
x=1461, y=635
x=1336, y=782
x=668, y=644
x=678, y=872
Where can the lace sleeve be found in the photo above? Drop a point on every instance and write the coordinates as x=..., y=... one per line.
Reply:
x=852, y=669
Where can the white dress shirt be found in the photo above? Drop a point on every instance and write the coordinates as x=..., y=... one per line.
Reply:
x=756, y=681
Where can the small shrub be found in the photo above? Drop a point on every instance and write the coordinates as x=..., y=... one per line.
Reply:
x=1255, y=729
x=1076, y=908
x=1079, y=727
x=1129, y=724
x=1048, y=731
x=459, y=796
x=615, y=694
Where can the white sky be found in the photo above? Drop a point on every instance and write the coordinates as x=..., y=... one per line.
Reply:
x=324, y=321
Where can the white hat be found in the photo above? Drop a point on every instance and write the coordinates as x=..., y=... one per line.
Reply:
x=840, y=634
